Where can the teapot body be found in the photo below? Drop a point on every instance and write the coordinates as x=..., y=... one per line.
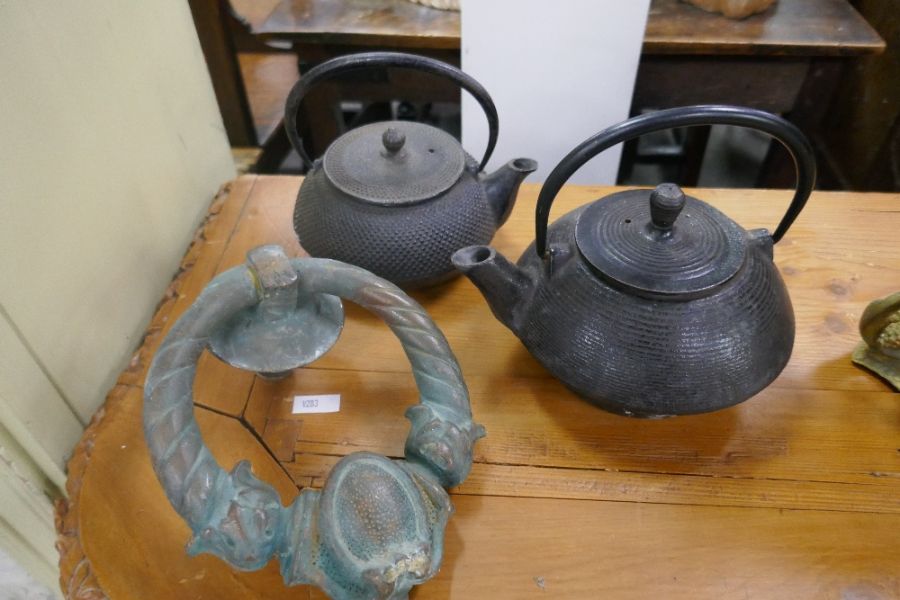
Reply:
x=399, y=197
x=652, y=356
x=407, y=244
x=651, y=303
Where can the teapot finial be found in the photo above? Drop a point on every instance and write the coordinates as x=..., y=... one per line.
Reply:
x=393, y=140
x=666, y=202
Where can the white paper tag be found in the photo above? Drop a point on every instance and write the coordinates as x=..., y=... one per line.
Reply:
x=326, y=403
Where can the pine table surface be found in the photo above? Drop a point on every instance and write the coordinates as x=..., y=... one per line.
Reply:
x=792, y=494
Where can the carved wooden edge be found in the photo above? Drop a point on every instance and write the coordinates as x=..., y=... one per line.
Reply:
x=76, y=576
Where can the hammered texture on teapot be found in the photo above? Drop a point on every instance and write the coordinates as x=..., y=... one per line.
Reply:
x=399, y=197
x=650, y=303
x=662, y=344
x=392, y=241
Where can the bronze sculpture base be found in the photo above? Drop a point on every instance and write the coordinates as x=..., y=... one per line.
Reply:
x=887, y=367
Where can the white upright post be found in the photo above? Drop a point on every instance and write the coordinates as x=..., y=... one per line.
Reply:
x=559, y=71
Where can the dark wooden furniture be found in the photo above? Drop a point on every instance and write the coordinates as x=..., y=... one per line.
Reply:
x=250, y=79
x=789, y=28
x=389, y=23
x=861, y=133
x=319, y=30
x=268, y=78
x=791, y=495
x=786, y=60
x=211, y=19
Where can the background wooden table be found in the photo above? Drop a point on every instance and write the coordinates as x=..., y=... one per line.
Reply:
x=788, y=60
x=795, y=27
x=792, y=494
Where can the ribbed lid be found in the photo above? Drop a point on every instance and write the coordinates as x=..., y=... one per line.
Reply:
x=395, y=162
x=660, y=241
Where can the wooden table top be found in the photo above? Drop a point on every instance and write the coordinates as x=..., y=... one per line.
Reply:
x=790, y=27
x=792, y=494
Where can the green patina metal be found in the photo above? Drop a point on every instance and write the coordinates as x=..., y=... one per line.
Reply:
x=376, y=528
x=880, y=349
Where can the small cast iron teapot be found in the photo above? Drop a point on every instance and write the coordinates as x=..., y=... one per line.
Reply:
x=376, y=528
x=398, y=198
x=651, y=303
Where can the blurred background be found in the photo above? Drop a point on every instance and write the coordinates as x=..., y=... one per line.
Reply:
x=830, y=66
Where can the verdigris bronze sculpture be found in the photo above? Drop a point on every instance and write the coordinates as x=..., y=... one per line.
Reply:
x=880, y=349
x=399, y=197
x=376, y=528
x=648, y=302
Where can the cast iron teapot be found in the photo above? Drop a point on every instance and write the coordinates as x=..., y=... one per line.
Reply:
x=398, y=198
x=651, y=303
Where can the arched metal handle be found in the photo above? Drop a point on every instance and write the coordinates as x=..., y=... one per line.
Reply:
x=238, y=517
x=372, y=60
x=785, y=132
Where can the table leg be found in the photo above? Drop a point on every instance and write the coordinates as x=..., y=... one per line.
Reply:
x=318, y=120
x=808, y=113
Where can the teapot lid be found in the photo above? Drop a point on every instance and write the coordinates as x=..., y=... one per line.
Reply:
x=394, y=162
x=660, y=241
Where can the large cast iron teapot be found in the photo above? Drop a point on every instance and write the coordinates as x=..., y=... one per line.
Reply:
x=648, y=302
x=398, y=198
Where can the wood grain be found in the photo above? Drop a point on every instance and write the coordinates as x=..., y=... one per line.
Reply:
x=766, y=83
x=778, y=441
x=268, y=79
x=787, y=28
x=522, y=548
x=792, y=494
x=255, y=12
x=392, y=23
x=127, y=525
x=791, y=27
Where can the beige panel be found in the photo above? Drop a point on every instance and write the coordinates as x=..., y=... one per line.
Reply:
x=26, y=514
x=112, y=149
x=32, y=410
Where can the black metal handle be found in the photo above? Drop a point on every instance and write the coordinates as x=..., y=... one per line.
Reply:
x=371, y=60
x=785, y=132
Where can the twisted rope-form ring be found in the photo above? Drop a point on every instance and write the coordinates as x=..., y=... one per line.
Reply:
x=240, y=518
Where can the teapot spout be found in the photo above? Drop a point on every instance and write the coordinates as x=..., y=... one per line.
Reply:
x=502, y=185
x=503, y=284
